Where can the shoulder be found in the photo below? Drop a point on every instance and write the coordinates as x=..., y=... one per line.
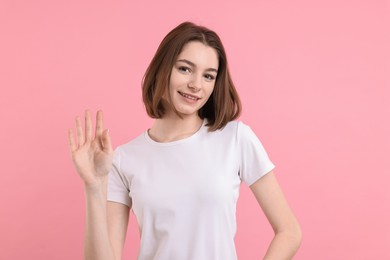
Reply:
x=132, y=145
x=232, y=126
x=234, y=130
x=228, y=131
x=238, y=128
x=245, y=133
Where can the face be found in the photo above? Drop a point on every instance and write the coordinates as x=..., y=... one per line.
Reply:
x=193, y=78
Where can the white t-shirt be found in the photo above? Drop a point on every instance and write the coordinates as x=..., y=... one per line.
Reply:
x=184, y=192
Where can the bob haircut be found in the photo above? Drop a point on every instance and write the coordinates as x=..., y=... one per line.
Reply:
x=222, y=106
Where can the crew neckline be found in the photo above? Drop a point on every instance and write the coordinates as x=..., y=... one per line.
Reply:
x=180, y=141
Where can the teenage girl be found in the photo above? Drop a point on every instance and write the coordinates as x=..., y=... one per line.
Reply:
x=181, y=177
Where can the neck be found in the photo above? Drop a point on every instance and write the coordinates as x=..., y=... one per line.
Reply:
x=173, y=128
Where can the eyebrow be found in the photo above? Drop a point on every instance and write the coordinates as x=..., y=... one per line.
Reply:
x=193, y=65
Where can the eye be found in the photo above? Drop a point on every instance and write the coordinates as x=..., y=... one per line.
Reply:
x=184, y=69
x=209, y=77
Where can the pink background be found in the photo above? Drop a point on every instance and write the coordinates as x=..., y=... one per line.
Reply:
x=313, y=77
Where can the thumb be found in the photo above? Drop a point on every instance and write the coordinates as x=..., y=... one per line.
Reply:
x=106, y=141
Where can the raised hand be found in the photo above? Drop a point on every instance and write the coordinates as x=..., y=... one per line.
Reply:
x=92, y=156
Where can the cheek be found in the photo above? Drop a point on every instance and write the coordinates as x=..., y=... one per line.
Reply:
x=211, y=89
x=172, y=85
x=175, y=80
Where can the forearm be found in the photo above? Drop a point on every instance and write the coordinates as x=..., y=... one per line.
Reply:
x=96, y=240
x=284, y=246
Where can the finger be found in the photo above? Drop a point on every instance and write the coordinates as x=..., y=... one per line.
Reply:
x=106, y=141
x=88, y=126
x=79, y=130
x=72, y=143
x=99, y=124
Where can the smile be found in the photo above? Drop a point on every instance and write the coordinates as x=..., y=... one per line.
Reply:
x=189, y=96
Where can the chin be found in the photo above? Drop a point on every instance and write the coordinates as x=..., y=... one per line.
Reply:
x=187, y=112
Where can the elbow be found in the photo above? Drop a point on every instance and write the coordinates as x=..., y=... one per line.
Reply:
x=296, y=231
x=292, y=236
x=295, y=237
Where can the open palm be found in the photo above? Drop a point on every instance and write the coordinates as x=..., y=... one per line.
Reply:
x=92, y=156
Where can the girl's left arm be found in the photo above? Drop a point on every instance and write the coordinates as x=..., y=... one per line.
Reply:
x=288, y=235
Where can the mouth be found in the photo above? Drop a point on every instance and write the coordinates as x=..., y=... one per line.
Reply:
x=192, y=97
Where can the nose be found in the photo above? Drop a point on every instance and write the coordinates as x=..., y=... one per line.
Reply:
x=195, y=84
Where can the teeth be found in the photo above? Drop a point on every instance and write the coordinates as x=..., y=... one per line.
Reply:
x=187, y=96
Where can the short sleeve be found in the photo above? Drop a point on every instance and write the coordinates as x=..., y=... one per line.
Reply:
x=254, y=160
x=118, y=186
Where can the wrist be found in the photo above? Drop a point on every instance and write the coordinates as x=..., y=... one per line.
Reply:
x=96, y=184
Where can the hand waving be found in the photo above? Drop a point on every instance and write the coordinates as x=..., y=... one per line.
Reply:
x=92, y=156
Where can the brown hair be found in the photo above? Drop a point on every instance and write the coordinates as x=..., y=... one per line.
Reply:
x=223, y=105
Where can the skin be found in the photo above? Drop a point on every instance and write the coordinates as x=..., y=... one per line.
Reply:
x=106, y=222
x=194, y=74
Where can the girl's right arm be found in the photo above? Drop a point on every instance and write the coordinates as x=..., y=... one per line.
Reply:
x=106, y=222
